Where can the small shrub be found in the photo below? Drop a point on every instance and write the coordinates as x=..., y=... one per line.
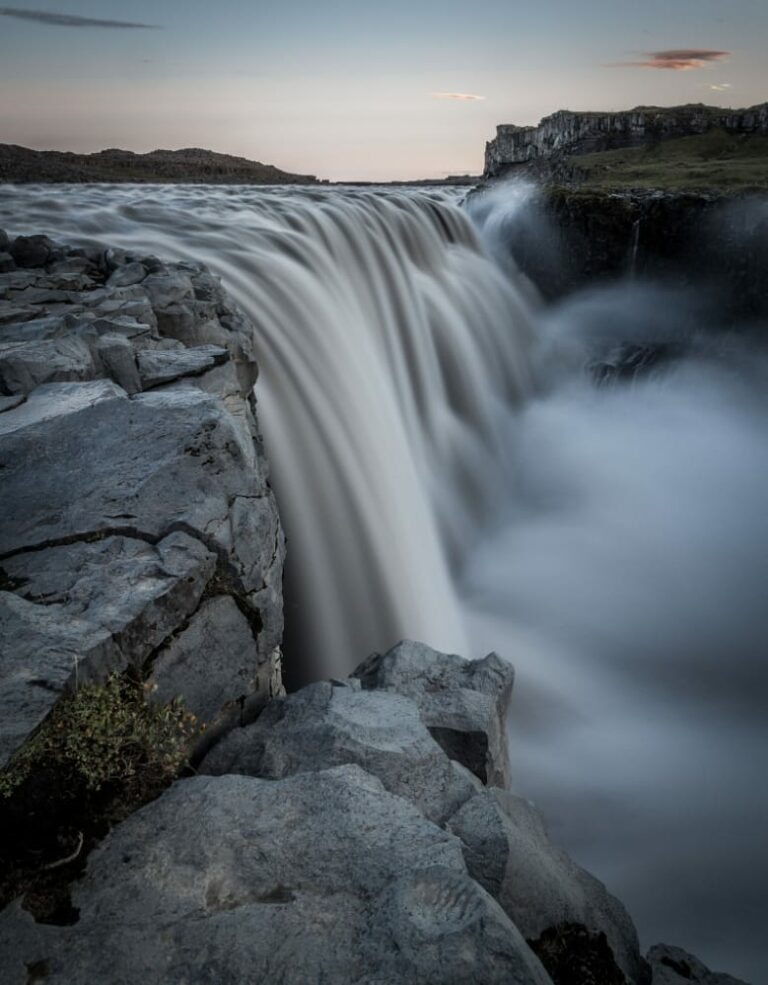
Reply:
x=106, y=733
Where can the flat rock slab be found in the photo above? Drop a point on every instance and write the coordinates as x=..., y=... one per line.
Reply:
x=80, y=611
x=322, y=877
x=157, y=366
x=57, y=400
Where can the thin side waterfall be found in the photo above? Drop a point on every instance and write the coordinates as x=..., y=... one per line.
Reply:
x=389, y=345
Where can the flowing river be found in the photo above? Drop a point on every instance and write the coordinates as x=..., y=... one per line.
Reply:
x=581, y=487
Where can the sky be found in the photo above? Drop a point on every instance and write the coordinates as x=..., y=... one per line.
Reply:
x=352, y=90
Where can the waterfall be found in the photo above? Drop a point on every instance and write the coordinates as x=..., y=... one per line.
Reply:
x=389, y=346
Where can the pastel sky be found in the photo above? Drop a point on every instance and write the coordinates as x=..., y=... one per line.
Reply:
x=347, y=89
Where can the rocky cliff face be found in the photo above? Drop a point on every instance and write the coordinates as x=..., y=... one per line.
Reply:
x=565, y=133
x=138, y=523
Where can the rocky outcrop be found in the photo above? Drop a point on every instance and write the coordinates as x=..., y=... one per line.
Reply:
x=139, y=530
x=189, y=166
x=566, y=133
x=335, y=839
x=674, y=966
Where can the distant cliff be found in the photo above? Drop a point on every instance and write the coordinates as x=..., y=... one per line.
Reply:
x=188, y=166
x=566, y=134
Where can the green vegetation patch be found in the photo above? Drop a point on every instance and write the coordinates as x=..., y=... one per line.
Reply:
x=102, y=753
x=713, y=161
x=106, y=733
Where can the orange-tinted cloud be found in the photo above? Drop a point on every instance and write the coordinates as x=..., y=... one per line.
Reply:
x=464, y=96
x=676, y=59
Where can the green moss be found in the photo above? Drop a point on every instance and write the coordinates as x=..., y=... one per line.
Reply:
x=106, y=733
x=712, y=161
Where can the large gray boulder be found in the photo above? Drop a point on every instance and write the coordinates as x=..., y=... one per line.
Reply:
x=542, y=890
x=335, y=723
x=674, y=966
x=464, y=703
x=321, y=877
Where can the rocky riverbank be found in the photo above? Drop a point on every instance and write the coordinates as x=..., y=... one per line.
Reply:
x=358, y=830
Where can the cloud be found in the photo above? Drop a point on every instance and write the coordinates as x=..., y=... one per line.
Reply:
x=68, y=20
x=721, y=87
x=676, y=59
x=467, y=97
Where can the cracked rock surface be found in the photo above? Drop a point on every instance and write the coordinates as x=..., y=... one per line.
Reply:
x=133, y=521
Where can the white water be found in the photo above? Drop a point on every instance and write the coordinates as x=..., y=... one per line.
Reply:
x=447, y=471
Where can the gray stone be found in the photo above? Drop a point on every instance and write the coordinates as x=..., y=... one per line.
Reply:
x=321, y=877
x=214, y=664
x=9, y=403
x=16, y=312
x=507, y=850
x=464, y=703
x=328, y=724
x=7, y=263
x=674, y=966
x=169, y=288
x=31, y=251
x=115, y=357
x=127, y=275
x=161, y=461
x=51, y=400
x=25, y=365
x=157, y=367
x=81, y=611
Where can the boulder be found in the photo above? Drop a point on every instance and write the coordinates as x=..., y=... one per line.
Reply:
x=549, y=898
x=674, y=966
x=320, y=877
x=463, y=703
x=333, y=723
x=31, y=251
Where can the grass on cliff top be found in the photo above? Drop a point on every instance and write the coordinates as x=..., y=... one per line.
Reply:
x=714, y=161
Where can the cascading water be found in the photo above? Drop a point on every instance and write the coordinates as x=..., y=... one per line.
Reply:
x=388, y=343
x=448, y=469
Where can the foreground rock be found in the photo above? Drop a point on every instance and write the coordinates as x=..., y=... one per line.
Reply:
x=348, y=847
x=674, y=966
x=320, y=877
x=139, y=529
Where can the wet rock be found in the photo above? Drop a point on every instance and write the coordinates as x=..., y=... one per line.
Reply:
x=674, y=966
x=464, y=703
x=31, y=251
x=321, y=877
x=332, y=724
